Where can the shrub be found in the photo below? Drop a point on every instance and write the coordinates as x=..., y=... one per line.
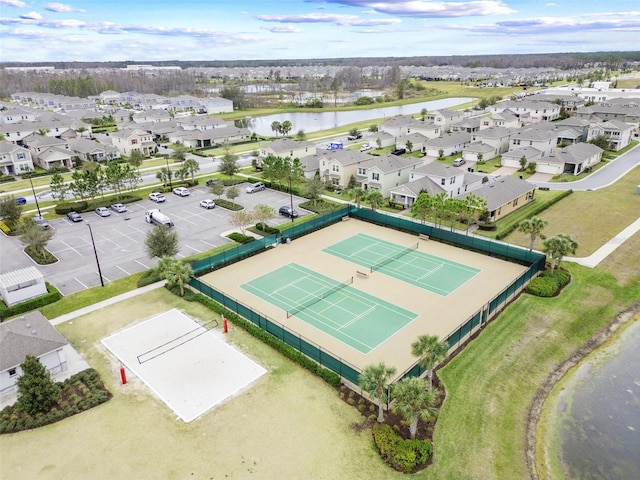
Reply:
x=266, y=228
x=402, y=455
x=148, y=277
x=240, y=238
x=220, y=202
x=64, y=208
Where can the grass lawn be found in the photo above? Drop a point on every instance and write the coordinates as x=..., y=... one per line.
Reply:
x=585, y=217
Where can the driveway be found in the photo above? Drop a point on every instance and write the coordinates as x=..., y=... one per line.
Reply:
x=119, y=238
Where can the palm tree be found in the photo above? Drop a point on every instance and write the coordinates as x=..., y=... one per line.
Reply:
x=414, y=400
x=192, y=166
x=285, y=127
x=559, y=246
x=374, y=379
x=430, y=351
x=375, y=199
x=276, y=127
x=176, y=272
x=358, y=194
x=532, y=226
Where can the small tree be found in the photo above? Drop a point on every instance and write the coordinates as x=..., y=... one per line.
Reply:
x=231, y=193
x=161, y=241
x=558, y=247
x=414, y=400
x=35, y=238
x=430, y=350
x=241, y=220
x=59, y=188
x=354, y=132
x=379, y=143
x=175, y=272
x=479, y=157
x=136, y=159
x=10, y=211
x=192, y=166
x=374, y=379
x=263, y=213
x=179, y=153
x=301, y=135
x=422, y=207
x=533, y=227
x=523, y=163
x=228, y=163
x=217, y=189
x=37, y=392
x=440, y=154
x=373, y=128
x=358, y=194
x=315, y=188
x=409, y=146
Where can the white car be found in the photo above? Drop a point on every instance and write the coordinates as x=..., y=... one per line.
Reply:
x=181, y=191
x=255, y=187
x=118, y=208
x=365, y=147
x=103, y=211
x=157, y=197
x=207, y=203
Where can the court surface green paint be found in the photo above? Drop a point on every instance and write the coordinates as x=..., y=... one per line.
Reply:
x=406, y=263
x=356, y=318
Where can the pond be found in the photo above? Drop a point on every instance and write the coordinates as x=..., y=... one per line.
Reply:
x=596, y=426
x=326, y=120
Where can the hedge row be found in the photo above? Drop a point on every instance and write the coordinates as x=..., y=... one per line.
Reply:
x=399, y=453
x=7, y=178
x=52, y=296
x=285, y=349
x=509, y=228
x=93, y=393
x=83, y=205
x=299, y=191
x=548, y=284
x=240, y=238
x=228, y=205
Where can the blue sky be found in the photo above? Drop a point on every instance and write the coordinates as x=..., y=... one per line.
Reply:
x=148, y=30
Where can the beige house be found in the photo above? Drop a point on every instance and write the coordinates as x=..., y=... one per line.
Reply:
x=128, y=140
x=618, y=133
x=444, y=118
x=504, y=195
x=337, y=167
x=385, y=172
x=285, y=147
x=49, y=152
x=14, y=159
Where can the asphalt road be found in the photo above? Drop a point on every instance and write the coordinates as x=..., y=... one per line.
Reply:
x=119, y=238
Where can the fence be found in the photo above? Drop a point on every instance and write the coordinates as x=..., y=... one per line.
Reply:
x=533, y=260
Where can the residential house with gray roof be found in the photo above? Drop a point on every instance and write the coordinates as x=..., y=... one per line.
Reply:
x=286, y=147
x=617, y=132
x=130, y=139
x=338, y=167
x=504, y=195
x=14, y=159
x=93, y=151
x=572, y=160
x=444, y=118
x=385, y=172
x=449, y=144
x=49, y=152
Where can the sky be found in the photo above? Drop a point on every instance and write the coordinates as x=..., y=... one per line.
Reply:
x=153, y=30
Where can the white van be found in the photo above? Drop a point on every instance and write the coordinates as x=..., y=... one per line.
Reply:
x=156, y=217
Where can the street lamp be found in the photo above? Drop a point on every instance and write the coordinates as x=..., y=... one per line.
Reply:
x=291, y=196
x=95, y=251
x=35, y=197
x=166, y=159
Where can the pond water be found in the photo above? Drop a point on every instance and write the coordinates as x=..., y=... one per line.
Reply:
x=326, y=120
x=598, y=423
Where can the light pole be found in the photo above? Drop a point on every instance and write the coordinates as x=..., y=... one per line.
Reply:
x=95, y=251
x=291, y=196
x=35, y=197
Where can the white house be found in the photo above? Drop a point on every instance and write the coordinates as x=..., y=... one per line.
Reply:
x=14, y=159
x=31, y=334
x=20, y=285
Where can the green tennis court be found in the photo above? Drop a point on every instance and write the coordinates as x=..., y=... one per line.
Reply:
x=406, y=263
x=356, y=318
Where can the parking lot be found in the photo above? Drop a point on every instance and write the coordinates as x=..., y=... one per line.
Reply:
x=119, y=238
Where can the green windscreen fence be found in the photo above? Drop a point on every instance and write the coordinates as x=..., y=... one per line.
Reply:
x=533, y=260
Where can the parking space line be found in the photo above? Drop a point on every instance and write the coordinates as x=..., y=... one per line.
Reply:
x=207, y=243
x=83, y=285
x=119, y=267
x=193, y=248
x=71, y=248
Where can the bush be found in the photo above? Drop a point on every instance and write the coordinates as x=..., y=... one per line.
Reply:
x=400, y=454
x=228, y=205
x=148, y=277
x=266, y=228
x=7, y=178
x=64, y=208
x=52, y=296
x=548, y=284
x=240, y=238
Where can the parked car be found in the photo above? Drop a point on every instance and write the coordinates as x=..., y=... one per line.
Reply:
x=74, y=217
x=255, y=187
x=399, y=151
x=354, y=137
x=458, y=162
x=211, y=182
x=103, y=211
x=118, y=208
x=181, y=191
x=41, y=222
x=21, y=200
x=157, y=197
x=287, y=211
x=365, y=147
x=207, y=203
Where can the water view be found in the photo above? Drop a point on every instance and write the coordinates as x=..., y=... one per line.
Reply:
x=598, y=425
x=326, y=120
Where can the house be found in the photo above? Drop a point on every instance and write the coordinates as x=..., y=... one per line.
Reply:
x=618, y=133
x=216, y=105
x=49, y=152
x=504, y=119
x=385, y=172
x=209, y=138
x=14, y=159
x=21, y=285
x=572, y=130
x=286, y=147
x=490, y=142
x=444, y=118
x=543, y=138
x=573, y=159
x=469, y=125
x=200, y=123
x=417, y=140
x=504, y=195
x=15, y=115
x=337, y=167
x=382, y=139
x=628, y=114
x=128, y=140
x=93, y=151
x=448, y=144
x=31, y=334
x=152, y=116
x=527, y=110
x=400, y=125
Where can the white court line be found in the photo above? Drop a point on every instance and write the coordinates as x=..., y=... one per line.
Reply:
x=439, y=267
x=358, y=317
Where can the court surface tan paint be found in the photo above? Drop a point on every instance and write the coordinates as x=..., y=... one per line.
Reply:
x=437, y=315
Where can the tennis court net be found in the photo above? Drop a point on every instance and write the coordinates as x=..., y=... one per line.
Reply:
x=316, y=298
x=393, y=257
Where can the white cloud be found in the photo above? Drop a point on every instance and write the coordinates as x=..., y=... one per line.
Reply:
x=13, y=3
x=31, y=16
x=282, y=29
x=429, y=9
x=349, y=20
x=62, y=8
